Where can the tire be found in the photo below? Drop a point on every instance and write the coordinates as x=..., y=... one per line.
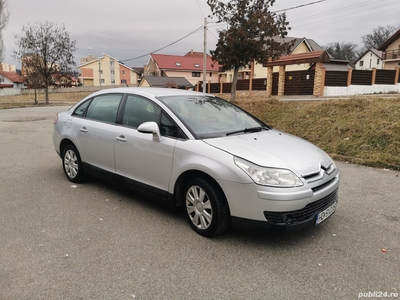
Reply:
x=72, y=164
x=206, y=208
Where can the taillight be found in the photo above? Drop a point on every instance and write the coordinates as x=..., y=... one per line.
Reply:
x=56, y=119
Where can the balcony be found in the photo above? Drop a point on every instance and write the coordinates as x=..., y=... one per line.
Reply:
x=391, y=54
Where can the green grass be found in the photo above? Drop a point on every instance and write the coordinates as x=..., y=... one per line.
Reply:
x=362, y=130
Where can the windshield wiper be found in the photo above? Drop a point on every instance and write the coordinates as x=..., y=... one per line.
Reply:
x=252, y=129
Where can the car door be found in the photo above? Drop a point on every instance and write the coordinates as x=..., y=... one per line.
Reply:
x=137, y=156
x=95, y=131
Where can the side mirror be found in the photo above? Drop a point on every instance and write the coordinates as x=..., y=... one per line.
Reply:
x=150, y=128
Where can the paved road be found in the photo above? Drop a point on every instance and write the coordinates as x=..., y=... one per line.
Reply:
x=93, y=241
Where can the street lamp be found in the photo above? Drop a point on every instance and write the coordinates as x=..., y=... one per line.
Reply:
x=98, y=58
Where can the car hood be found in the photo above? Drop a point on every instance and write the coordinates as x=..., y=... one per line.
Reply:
x=273, y=148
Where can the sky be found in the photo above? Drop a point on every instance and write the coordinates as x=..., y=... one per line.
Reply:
x=129, y=30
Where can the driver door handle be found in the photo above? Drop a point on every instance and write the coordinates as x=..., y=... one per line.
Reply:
x=121, y=138
x=83, y=129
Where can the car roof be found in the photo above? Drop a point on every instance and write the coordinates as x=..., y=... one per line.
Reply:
x=148, y=91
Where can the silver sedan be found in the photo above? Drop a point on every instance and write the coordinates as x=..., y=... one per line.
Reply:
x=197, y=151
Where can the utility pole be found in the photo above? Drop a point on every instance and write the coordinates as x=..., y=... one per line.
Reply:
x=99, y=71
x=205, y=56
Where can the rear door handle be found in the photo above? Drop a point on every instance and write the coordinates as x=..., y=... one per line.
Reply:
x=121, y=138
x=83, y=129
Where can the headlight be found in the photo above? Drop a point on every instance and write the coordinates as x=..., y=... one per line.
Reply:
x=269, y=176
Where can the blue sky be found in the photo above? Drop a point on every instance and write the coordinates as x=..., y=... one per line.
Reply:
x=127, y=29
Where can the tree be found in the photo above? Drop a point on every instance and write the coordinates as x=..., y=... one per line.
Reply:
x=378, y=36
x=253, y=33
x=3, y=23
x=46, y=49
x=342, y=51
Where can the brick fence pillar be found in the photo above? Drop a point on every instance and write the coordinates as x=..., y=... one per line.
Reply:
x=269, y=81
x=281, y=83
x=319, y=80
x=396, y=76
x=349, y=76
x=373, y=79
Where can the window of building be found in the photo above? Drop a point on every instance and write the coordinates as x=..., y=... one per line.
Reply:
x=102, y=80
x=196, y=74
x=378, y=61
x=361, y=63
x=123, y=72
x=111, y=63
x=112, y=72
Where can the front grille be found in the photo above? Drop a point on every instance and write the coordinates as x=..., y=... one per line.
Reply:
x=298, y=216
x=320, y=187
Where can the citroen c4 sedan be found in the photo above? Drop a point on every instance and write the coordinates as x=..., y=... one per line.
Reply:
x=187, y=149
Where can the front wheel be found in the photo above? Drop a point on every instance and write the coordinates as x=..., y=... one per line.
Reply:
x=72, y=164
x=206, y=207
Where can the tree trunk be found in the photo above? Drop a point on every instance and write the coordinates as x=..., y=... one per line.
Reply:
x=36, y=101
x=234, y=82
x=46, y=92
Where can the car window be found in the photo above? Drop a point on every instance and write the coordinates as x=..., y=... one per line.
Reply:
x=169, y=128
x=81, y=109
x=139, y=110
x=208, y=116
x=104, y=108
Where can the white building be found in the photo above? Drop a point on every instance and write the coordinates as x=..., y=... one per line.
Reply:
x=372, y=58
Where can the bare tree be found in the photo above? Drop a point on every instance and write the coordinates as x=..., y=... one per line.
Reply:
x=378, y=36
x=45, y=50
x=3, y=23
x=252, y=33
x=342, y=51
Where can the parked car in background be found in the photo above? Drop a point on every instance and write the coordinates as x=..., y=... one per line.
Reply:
x=200, y=152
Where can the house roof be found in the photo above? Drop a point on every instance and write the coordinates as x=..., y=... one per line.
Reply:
x=310, y=43
x=184, y=63
x=14, y=77
x=374, y=51
x=162, y=81
x=301, y=58
x=390, y=41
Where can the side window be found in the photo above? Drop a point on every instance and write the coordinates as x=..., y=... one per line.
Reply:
x=104, y=108
x=168, y=128
x=139, y=110
x=81, y=109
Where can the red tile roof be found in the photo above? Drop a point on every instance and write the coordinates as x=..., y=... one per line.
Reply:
x=184, y=63
x=14, y=77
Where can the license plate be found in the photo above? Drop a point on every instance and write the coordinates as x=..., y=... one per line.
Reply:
x=325, y=214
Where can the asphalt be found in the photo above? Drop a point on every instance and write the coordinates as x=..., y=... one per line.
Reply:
x=94, y=241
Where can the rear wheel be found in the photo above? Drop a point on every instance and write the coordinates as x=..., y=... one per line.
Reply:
x=206, y=207
x=72, y=164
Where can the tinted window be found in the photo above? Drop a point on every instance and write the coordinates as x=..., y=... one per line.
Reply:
x=81, y=109
x=104, y=108
x=139, y=110
x=169, y=128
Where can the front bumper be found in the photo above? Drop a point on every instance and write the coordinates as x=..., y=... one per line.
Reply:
x=290, y=220
x=258, y=207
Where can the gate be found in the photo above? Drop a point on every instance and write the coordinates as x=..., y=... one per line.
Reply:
x=299, y=82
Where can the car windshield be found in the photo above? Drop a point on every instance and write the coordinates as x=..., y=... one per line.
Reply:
x=209, y=117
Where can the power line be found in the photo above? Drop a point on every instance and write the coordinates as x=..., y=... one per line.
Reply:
x=298, y=6
x=202, y=27
x=198, y=4
x=170, y=44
